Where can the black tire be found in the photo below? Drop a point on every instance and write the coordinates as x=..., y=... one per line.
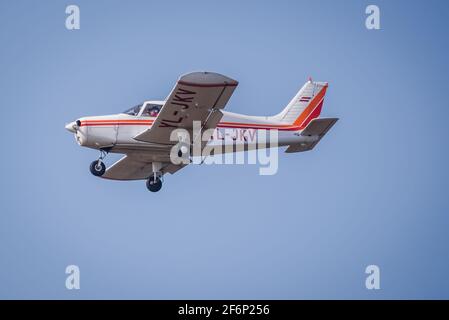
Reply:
x=154, y=185
x=97, y=169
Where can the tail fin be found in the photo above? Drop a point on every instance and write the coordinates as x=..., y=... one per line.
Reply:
x=305, y=106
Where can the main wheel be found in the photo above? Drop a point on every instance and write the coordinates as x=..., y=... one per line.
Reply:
x=97, y=168
x=154, y=185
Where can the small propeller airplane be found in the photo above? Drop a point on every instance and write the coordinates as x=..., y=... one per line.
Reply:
x=143, y=133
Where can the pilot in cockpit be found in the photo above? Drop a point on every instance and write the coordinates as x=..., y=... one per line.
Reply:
x=154, y=111
x=151, y=111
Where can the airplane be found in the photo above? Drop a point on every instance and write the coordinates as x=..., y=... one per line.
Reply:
x=144, y=133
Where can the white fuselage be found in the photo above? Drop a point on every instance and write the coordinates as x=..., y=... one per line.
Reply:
x=116, y=132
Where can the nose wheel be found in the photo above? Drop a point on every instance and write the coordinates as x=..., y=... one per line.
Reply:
x=97, y=167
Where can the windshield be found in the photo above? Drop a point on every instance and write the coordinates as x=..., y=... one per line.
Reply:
x=134, y=111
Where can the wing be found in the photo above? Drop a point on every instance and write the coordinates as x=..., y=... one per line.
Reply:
x=197, y=96
x=136, y=167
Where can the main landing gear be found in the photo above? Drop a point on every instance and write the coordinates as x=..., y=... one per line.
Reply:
x=97, y=167
x=154, y=182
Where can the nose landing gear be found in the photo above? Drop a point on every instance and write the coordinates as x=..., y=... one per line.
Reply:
x=97, y=167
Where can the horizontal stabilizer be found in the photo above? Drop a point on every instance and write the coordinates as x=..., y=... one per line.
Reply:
x=316, y=128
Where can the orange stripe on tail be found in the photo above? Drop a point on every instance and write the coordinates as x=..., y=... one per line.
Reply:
x=312, y=111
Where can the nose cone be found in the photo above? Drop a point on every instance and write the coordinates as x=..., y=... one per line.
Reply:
x=71, y=127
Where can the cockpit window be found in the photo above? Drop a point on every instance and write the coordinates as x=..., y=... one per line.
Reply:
x=134, y=111
x=151, y=110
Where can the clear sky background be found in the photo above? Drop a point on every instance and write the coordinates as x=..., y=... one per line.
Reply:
x=374, y=191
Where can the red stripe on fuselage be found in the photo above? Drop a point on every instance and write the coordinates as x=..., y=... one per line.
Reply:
x=224, y=124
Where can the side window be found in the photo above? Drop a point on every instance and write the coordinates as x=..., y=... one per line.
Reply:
x=151, y=110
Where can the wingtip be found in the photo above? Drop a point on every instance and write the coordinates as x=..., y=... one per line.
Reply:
x=206, y=78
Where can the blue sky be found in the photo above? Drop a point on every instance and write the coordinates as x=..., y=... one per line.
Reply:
x=374, y=191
